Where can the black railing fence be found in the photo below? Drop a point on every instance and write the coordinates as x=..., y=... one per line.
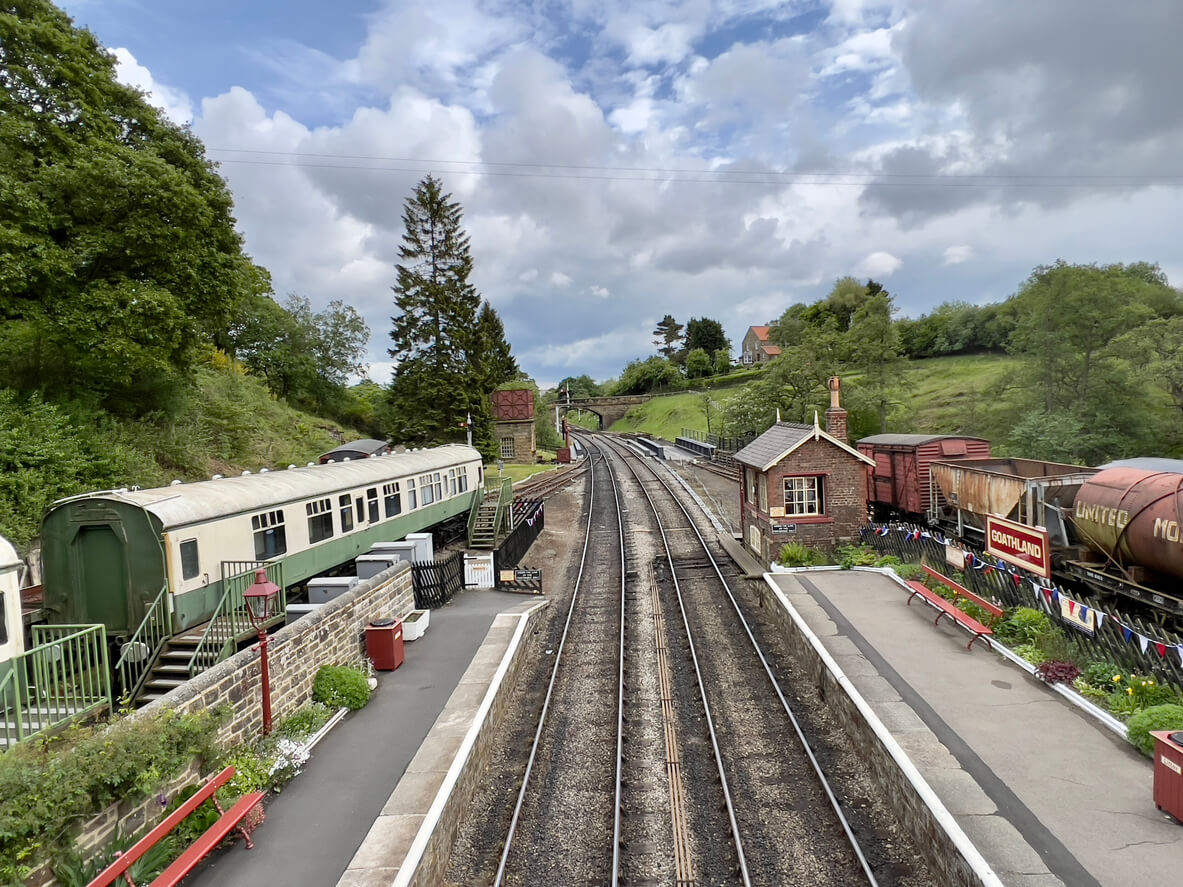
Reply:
x=728, y=444
x=1130, y=640
x=437, y=582
x=529, y=518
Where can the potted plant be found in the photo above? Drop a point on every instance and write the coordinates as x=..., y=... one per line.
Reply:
x=415, y=625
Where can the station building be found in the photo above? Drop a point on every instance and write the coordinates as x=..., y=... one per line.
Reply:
x=800, y=483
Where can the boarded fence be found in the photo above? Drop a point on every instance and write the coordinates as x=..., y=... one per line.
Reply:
x=1130, y=640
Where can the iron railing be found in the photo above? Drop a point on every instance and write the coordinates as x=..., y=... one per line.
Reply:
x=231, y=620
x=138, y=654
x=65, y=677
x=529, y=521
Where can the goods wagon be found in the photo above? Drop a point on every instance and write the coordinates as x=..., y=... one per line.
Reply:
x=899, y=482
x=109, y=556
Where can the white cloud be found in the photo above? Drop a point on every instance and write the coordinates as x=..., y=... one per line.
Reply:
x=173, y=102
x=528, y=276
x=558, y=278
x=955, y=255
x=878, y=264
x=600, y=292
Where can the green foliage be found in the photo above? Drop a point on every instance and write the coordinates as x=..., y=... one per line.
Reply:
x=856, y=556
x=1056, y=644
x=1057, y=671
x=1088, y=691
x=1101, y=674
x=646, y=376
x=1031, y=653
x=667, y=336
x=337, y=685
x=75, y=871
x=722, y=362
x=1023, y=626
x=698, y=364
x=908, y=572
x=52, y=783
x=706, y=334
x=304, y=722
x=798, y=554
x=1156, y=717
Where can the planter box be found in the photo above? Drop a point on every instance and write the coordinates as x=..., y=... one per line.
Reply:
x=415, y=625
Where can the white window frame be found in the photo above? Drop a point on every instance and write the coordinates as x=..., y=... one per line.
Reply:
x=804, y=495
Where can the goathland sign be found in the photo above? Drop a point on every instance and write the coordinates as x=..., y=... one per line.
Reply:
x=1016, y=544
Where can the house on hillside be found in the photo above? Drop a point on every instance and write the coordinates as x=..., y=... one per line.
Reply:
x=757, y=347
x=802, y=484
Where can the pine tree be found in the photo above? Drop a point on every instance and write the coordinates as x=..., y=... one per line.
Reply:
x=668, y=337
x=434, y=336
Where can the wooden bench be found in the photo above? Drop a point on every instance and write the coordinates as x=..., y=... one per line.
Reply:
x=960, y=590
x=187, y=861
x=945, y=608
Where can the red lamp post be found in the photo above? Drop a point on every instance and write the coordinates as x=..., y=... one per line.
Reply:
x=262, y=603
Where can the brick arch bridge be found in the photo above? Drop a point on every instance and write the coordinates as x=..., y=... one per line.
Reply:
x=609, y=409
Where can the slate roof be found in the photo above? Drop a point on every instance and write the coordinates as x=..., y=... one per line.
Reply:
x=781, y=439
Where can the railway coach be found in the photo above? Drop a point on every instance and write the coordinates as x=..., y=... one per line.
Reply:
x=109, y=556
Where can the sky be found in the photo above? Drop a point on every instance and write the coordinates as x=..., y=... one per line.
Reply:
x=619, y=161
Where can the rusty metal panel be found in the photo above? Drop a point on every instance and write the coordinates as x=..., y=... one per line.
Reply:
x=1134, y=516
x=513, y=406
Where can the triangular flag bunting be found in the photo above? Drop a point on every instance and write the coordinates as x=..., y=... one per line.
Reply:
x=1126, y=633
x=1162, y=650
x=1100, y=618
x=1071, y=607
x=1143, y=642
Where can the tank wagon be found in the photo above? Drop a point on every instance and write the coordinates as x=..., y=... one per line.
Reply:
x=109, y=555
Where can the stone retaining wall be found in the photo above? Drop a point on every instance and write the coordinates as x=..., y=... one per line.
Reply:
x=927, y=826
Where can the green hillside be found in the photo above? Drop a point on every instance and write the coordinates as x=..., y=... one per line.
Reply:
x=939, y=395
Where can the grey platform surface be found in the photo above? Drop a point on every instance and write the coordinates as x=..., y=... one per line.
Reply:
x=1048, y=796
x=316, y=824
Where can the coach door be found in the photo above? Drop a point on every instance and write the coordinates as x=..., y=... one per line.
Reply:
x=100, y=578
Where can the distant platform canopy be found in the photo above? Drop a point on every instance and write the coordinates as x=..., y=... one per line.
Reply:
x=358, y=449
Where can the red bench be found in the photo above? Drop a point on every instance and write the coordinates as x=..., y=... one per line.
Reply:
x=187, y=861
x=960, y=590
x=945, y=608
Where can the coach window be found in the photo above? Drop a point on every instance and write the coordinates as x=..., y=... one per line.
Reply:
x=372, y=504
x=393, y=500
x=439, y=486
x=804, y=497
x=270, y=535
x=189, y=565
x=426, y=490
x=361, y=510
x=345, y=503
x=320, y=520
x=3, y=620
x=462, y=480
x=411, y=501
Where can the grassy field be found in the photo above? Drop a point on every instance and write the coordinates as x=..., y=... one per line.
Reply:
x=517, y=472
x=943, y=395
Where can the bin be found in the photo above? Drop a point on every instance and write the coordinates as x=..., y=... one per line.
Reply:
x=384, y=643
x=1168, y=772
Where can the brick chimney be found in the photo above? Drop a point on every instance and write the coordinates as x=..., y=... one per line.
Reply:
x=835, y=415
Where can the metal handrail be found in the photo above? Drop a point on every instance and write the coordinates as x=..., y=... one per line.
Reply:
x=231, y=620
x=154, y=630
x=504, y=506
x=70, y=679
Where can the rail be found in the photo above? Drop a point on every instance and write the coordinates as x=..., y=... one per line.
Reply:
x=231, y=621
x=138, y=654
x=64, y=677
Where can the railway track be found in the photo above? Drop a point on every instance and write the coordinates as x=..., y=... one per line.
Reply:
x=542, y=485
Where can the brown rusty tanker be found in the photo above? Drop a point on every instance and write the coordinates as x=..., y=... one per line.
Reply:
x=1134, y=516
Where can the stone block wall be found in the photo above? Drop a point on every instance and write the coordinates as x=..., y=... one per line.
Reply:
x=525, y=445
x=940, y=851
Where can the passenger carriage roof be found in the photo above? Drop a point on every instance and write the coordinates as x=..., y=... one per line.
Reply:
x=185, y=504
x=1171, y=466
x=911, y=440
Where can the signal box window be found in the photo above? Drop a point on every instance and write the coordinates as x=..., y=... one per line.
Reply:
x=320, y=520
x=189, y=564
x=393, y=499
x=803, y=496
x=507, y=448
x=346, y=506
x=271, y=538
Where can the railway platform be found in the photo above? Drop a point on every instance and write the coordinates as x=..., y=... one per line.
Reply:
x=316, y=825
x=1049, y=795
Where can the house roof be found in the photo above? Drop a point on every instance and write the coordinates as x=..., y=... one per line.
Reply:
x=772, y=350
x=782, y=439
x=761, y=332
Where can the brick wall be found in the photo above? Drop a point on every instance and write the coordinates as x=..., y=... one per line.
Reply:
x=844, y=489
x=331, y=635
x=922, y=824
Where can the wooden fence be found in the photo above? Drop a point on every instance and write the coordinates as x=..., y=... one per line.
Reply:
x=437, y=582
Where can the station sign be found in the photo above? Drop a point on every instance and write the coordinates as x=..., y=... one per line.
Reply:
x=783, y=529
x=1017, y=544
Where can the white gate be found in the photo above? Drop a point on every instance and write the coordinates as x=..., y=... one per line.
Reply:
x=478, y=570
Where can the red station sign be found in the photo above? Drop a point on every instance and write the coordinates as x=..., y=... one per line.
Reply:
x=1023, y=546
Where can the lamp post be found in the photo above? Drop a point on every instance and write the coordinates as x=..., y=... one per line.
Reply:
x=262, y=600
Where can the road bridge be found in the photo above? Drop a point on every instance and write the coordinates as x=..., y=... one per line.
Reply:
x=609, y=409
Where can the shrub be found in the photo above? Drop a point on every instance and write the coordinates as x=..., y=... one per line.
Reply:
x=856, y=556
x=1057, y=671
x=1031, y=653
x=1023, y=626
x=1156, y=717
x=908, y=571
x=1088, y=691
x=798, y=554
x=888, y=560
x=1101, y=674
x=337, y=685
x=305, y=722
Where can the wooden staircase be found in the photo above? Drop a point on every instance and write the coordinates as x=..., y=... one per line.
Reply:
x=484, y=529
x=171, y=668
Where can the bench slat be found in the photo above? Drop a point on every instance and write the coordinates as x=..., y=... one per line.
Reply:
x=944, y=607
x=989, y=606
x=210, y=839
x=112, y=872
